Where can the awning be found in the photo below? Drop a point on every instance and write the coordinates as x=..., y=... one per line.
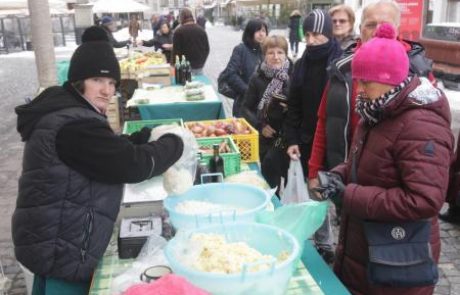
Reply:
x=20, y=4
x=118, y=6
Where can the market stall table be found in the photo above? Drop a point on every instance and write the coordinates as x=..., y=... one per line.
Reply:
x=312, y=276
x=209, y=109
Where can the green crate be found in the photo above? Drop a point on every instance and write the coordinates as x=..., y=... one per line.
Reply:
x=133, y=126
x=232, y=160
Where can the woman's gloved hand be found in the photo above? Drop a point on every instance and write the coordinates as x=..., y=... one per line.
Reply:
x=331, y=186
x=140, y=137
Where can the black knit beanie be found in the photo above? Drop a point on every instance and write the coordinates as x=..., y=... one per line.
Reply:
x=94, y=57
x=318, y=21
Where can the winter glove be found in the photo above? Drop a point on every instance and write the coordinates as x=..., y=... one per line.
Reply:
x=331, y=186
x=140, y=137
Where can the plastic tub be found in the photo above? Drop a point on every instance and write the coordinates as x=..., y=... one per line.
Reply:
x=266, y=239
x=251, y=198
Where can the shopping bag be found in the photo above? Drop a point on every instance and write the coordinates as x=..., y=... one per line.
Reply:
x=223, y=87
x=296, y=189
x=301, y=220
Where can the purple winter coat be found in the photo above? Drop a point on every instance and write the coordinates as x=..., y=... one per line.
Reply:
x=402, y=175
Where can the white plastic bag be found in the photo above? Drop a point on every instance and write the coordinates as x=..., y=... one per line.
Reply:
x=179, y=178
x=296, y=189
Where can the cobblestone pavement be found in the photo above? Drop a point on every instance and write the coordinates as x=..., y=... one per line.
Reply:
x=18, y=80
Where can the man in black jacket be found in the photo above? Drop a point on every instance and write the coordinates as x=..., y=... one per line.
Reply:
x=191, y=41
x=74, y=167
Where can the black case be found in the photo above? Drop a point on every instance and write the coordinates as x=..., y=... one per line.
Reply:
x=134, y=233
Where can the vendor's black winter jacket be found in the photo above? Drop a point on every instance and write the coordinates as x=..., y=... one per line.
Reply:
x=71, y=183
x=159, y=40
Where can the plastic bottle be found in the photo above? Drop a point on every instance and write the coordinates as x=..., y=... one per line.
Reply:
x=216, y=164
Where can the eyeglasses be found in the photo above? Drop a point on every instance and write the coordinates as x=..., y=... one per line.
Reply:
x=340, y=21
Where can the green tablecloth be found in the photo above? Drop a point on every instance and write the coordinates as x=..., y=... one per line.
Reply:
x=188, y=111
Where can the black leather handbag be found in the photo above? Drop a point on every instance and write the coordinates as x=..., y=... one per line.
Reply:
x=223, y=87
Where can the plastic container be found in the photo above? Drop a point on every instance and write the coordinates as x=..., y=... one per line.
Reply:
x=133, y=126
x=232, y=160
x=264, y=238
x=244, y=196
x=248, y=144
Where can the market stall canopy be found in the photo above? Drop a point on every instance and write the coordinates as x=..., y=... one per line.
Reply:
x=262, y=2
x=118, y=6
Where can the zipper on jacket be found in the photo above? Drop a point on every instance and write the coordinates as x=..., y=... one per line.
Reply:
x=87, y=230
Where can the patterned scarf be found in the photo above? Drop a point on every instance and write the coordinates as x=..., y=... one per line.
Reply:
x=278, y=76
x=372, y=110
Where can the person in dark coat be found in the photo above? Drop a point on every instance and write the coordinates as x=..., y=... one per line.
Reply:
x=201, y=21
x=294, y=35
x=244, y=60
x=307, y=86
x=265, y=107
x=191, y=41
x=337, y=119
x=397, y=174
x=163, y=40
x=74, y=168
x=452, y=215
x=109, y=27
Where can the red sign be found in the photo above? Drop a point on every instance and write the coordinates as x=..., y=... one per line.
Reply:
x=411, y=19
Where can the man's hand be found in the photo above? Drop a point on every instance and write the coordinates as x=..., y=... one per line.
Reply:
x=268, y=131
x=313, y=185
x=294, y=152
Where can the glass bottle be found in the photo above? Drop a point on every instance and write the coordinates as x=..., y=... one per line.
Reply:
x=216, y=164
x=202, y=168
x=183, y=66
x=188, y=72
x=177, y=71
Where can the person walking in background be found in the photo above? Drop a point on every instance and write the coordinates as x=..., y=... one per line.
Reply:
x=201, y=21
x=155, y=24
x=244, y=60
x=294, y=34
x=265, y=107
x=191, y=41
x=394, y=184
x=134, y=28
x=308, y=82
x=343, y=20
x=109, y=27
x=452, y=215
x=337, y=119
x=74, y=168
x=162, y=41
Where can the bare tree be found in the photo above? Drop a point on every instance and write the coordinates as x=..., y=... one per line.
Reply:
x=42, y=41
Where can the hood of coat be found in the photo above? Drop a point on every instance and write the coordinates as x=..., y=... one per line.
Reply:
x=50, y=100
x=419, y=94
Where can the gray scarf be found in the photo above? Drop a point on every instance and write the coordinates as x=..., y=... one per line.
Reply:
x=278, y=76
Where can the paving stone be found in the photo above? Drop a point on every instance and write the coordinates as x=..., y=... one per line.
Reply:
x=442, y=290
x=454, y=280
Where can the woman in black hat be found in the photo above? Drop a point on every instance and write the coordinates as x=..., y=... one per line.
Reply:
x=74, y=167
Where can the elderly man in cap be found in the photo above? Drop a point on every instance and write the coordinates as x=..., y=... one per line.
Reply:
x=109, y=27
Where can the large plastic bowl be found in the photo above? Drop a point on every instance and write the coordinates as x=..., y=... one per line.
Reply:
x=264, y=238
x=251, y=198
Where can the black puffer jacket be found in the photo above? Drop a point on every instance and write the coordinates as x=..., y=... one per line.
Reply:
x=71, y=183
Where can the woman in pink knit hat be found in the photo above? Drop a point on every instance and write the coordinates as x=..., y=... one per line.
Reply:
x=394, y=183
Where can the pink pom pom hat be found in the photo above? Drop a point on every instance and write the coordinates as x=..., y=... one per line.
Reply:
x=382, y=59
